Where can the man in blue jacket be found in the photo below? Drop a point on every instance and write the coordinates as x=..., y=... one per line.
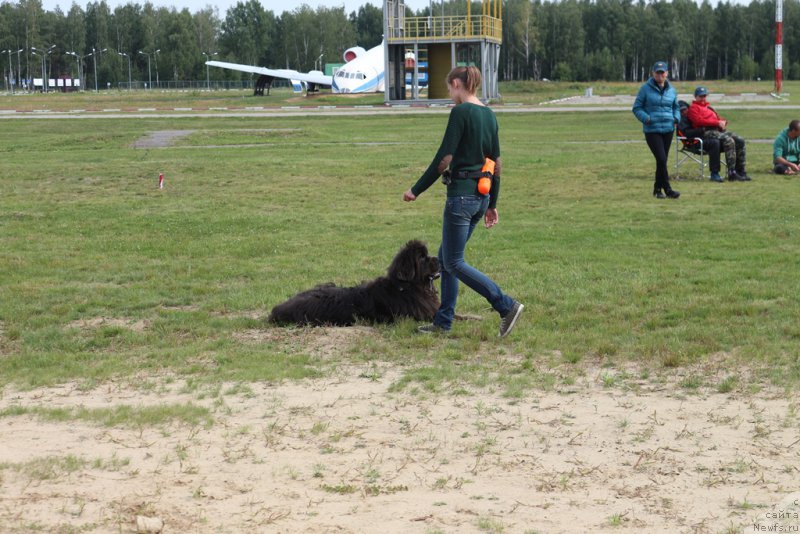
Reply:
x=656, y=107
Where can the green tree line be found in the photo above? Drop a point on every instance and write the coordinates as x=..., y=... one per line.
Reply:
x=167, y=44
x=564, y=40
x=621, y=39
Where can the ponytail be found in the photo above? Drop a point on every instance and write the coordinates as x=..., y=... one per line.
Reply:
x=470, y=78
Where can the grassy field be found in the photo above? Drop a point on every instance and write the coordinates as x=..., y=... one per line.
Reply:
x=104, y=276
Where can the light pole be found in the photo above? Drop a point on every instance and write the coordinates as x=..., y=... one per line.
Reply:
x=155, y=60
x=44, y=54
x=208, y=80
x=19, y=70
x=85, y=81
x=78, y=61
x=8, y=80
x=94, y=59
x=47, y=55
x=149, y=74
x=44, y=81
x=129, y=68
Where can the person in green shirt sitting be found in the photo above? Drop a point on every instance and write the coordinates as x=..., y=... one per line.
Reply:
x=470, y=138
x=786, y=150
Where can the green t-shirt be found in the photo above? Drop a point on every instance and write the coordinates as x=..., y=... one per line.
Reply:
x=785, y=147
x=470, y=137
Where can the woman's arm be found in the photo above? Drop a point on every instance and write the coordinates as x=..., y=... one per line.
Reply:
x=443, y=157
x=638, y=106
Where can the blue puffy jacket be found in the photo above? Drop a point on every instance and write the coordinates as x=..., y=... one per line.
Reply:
x=657, y=107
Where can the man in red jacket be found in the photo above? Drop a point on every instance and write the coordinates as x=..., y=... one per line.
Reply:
x=701, y=115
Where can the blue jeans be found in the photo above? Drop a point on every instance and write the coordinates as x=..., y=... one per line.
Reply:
x=461, y=215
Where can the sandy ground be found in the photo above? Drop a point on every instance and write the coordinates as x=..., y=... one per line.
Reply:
x=347, y=454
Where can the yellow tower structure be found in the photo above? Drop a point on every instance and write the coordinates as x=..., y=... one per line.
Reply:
x=425, y=49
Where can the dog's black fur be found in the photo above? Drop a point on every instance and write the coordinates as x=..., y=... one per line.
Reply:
x=406, y=291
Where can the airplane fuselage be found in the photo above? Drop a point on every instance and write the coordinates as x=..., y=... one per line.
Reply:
x=364, y=74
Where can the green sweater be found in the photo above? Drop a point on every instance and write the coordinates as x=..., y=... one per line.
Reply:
x=786, y=148
x=471, y=136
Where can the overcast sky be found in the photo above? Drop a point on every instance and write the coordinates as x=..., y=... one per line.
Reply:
x=275, y=6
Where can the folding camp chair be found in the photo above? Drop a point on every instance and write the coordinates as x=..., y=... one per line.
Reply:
x=691, y=152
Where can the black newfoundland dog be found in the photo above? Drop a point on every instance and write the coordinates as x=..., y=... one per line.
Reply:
x=406, y=291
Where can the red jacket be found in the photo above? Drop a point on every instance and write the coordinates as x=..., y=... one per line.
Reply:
x=702, y=115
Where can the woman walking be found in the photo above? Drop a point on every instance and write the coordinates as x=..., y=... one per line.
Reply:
x=656, y=106
x=471, y=137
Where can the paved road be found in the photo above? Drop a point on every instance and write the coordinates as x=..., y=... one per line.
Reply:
x=574, y=104
x=328, y=111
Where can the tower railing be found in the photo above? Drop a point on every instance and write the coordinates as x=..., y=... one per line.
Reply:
x=433, y=29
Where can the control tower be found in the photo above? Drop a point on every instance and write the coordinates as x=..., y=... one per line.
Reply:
x=422, y=49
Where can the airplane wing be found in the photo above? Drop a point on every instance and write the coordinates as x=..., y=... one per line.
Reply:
x=314, y=77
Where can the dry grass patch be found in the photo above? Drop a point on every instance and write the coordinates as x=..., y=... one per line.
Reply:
x=320, y=342
x=136, y=325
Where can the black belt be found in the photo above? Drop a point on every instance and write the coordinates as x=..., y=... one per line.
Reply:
x=471, y=175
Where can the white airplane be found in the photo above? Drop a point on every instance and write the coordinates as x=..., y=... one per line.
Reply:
x=361, y=73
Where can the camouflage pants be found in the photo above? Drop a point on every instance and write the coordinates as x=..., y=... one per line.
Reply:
x=733, y=146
